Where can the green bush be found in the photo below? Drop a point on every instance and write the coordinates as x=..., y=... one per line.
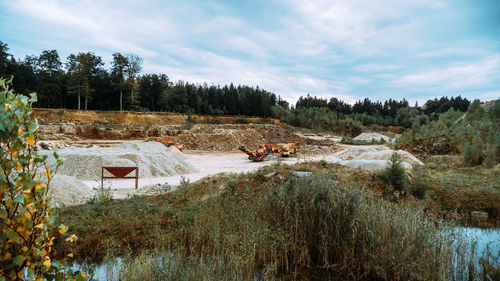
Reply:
x=418, y=187
x=473, y=153
x=345, y=140
x=496, y=148
x=104, y=195
x=394, y=174
x=25, y=214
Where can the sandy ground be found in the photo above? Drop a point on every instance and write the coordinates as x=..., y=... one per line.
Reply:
x=208, y=163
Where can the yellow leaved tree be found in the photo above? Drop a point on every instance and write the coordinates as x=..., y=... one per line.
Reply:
x=26, y=218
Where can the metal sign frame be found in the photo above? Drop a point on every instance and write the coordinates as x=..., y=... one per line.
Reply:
x=120, y=173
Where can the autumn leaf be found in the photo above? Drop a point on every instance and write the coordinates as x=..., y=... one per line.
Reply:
x=47, y=262
x=63, y=229
x=30, y=140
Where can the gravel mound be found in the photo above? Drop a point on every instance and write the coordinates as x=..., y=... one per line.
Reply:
x=68, y=190
x=152, y=158
x=370, y=136
x=375, y=152
x=373, y=157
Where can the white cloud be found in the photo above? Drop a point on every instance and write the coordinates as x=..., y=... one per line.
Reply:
x=459, y=76
x=96, y=23
x=343, y=48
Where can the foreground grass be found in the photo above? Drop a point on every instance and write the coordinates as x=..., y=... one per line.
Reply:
x=335, y=221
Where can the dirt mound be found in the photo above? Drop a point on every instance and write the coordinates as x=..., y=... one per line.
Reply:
x=228, y=137
x=320, y=142
x=429, y=147
x=318, y=149
x=152, y=158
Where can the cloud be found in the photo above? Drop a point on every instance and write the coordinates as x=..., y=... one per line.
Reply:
x=344, y=48
x=376, y=67
x=456, y=77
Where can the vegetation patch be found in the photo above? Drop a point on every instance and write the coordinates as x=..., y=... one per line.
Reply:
x=269, y=223
x=346, y=140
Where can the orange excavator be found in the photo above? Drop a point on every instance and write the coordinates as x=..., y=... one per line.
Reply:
x=169, y=143
x=257, y=155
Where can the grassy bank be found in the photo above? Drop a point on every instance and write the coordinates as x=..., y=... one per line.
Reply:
x=336, y=221
x=456, y=190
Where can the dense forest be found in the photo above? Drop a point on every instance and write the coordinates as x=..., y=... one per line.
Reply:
x=82, y=82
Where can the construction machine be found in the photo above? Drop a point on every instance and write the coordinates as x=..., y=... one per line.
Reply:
x=257, y=155
x=287, y=149
x=169, y=143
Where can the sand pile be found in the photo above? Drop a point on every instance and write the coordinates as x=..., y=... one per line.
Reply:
x=373, y=157
x=152, y=158
x=371, y=136
x=69, y=190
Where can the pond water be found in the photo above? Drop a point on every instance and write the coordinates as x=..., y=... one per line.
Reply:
x=483, y=239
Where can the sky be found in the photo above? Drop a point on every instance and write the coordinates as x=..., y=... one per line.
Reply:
x=349, y=49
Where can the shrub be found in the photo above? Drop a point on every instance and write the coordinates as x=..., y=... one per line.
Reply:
x=25, y=215
x=419, y=188
x=394, y=174
x=496, y=147
x=104, y=195
x=345, y=140
x=473, y=153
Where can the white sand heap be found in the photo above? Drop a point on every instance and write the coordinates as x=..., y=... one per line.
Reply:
x=69, y=190
x=152, y=158
x=371, y=136
x=373, y=157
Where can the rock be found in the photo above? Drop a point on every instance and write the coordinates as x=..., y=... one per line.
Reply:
x=165, y=187
x=270, y=175
x=301, y=174
x=479, y=216
x=44, y=146
x=396, y=195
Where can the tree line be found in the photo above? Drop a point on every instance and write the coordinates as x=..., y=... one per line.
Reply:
x=390, y=112
x=82, y=82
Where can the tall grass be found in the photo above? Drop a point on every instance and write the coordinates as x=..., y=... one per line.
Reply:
x=289, y=229
x=312, y=223
x=164, y=266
